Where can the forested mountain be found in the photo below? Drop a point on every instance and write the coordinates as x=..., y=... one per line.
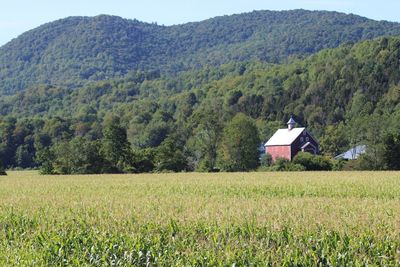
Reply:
x=72, y=51
x=347, y=96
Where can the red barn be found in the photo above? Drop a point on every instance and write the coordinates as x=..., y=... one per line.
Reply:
x=286, y=143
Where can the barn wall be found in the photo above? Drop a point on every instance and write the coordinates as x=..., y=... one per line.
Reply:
x=279, y=152
x=290, y=151
x=300, y=141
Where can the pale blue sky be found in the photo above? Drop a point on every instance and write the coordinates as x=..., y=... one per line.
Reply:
x=17, y=16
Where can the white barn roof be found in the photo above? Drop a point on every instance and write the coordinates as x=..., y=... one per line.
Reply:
x=284, y=137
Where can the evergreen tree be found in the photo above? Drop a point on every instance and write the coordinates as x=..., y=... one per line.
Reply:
x=239, y=145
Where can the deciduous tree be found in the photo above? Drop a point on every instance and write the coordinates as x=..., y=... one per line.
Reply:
x=239, y=145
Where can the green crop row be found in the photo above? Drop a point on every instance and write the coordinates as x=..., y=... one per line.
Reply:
x=24, y=241
x=246, y=219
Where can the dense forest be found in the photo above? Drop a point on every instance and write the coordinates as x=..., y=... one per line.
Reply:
x=149, y=121
x=77, y=50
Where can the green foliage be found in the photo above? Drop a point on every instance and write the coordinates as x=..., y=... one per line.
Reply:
x=346, y=96
x=283, y=164
x=208, y=126
x=192, y=219
x=334, y=140
x=304, y=161
x=391, y=152
x=353, y=165
x=338, y=165
x=239, y=145
x=115, y=146
x=2, y=171
x=169, y=156
x=143, y=160
x=266, y=160
x=79, y=156
x=75, y=242
x=78, y=50
x=312, y=162
x=45, y=158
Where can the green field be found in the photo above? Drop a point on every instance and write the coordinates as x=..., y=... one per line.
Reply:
x=326, y=218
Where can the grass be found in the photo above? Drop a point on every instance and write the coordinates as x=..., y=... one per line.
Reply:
x=277, y=219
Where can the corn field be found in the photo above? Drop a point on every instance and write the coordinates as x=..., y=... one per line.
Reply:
x=194, y=219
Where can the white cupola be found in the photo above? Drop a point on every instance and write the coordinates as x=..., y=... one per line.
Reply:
x=291, y=123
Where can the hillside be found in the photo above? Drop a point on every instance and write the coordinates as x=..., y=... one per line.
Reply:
x=346, y=96
x=72, y=51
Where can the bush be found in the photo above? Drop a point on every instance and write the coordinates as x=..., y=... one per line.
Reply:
x=312, y=162
x=283, y=164
x=363, y=163
x=338, y=165
x=266, y=160
x=351, y=165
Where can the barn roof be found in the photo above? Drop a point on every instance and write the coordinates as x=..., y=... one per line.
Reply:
x=284, y=137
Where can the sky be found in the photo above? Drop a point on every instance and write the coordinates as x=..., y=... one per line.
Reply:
x=18, y=16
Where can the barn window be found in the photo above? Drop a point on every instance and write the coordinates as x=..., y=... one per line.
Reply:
x=302, y=139
x=307, y=139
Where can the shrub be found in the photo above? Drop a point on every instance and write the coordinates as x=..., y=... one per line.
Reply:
x=283, y=164
x=266, y=160
x=352, y=165
x=338, y=165
x=312, y=162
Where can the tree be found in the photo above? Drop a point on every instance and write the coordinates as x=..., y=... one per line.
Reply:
x=79, y=156
x=391, y=151
x=115, y=146
x=239, y=145
x=334, y=141
x=144, y=160
x=169, y=156
x=7, y=142
x=44, y=156
x=24, y=157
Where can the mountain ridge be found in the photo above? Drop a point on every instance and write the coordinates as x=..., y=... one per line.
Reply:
x=73, y=51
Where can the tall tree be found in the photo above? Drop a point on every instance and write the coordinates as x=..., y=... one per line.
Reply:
x=115, y=145
x=239, y=145
x=169, y=156
x=334, y=140
x=391, y=152
x=208, y=126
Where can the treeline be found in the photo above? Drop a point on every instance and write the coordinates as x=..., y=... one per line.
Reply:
x=56, y=149
x=74, y=51
x=346, y=96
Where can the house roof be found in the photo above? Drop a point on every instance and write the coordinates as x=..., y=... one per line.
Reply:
x=352, y=153
x=284, y=137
